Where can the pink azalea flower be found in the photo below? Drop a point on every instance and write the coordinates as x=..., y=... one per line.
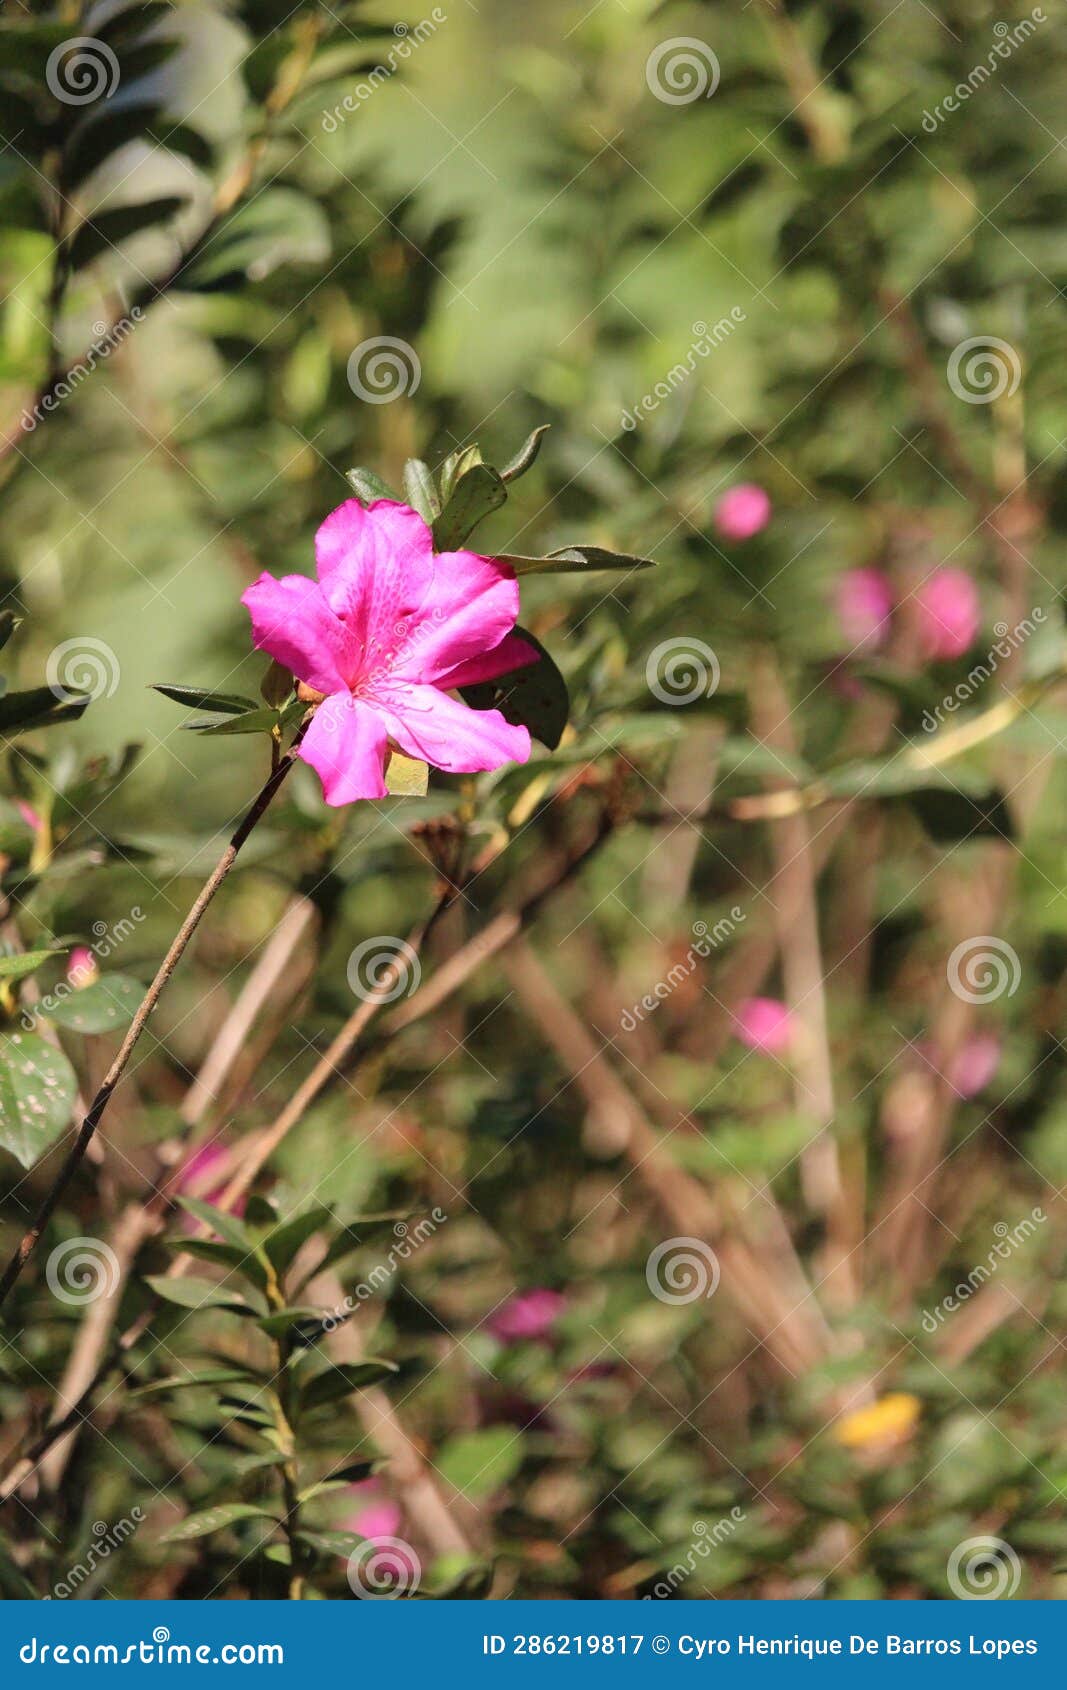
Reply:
x=386, y=633
x=529, y=1314
x=29, y=815
x=380, y=1518
x=864, y=603
x=742, y=512
x=81, y=968
x=975, y=1064
x=949, y=613
x=764, y=1024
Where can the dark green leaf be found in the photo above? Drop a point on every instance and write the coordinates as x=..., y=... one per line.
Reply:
x=276, y=685
x=213, y=1520
x=573, y=560
x=535, y=697
x=226, y=1225
x=282, y=1245
x=420, y=491
x=340, y=1381
x=256, y=721
x=202, y=698
x=40, y=707
x=526, y=456
x=478, y=491
x=107, y=229
x=192, y=1293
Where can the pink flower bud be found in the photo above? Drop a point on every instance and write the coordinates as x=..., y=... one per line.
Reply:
x=974, y=1065
x=29, y=815
x=949, y=613
x=81, y=968
x=764, y=1024
x=742, y=512
x=205, y=1167
x=531, y=1314
x=378, y=1518
x=864, y=603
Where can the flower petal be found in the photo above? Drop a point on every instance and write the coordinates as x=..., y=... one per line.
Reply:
x=292, y=621
x=425, y=722
x=345, y=745
x=375, y=567
x=513, y=652
x=472, y=605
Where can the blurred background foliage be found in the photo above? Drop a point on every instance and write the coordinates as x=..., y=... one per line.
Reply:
x=550, y=240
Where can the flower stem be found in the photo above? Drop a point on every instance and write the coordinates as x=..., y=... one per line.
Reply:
x=96, y=1109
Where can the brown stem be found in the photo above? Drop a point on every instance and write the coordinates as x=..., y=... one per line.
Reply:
x=95, y=1111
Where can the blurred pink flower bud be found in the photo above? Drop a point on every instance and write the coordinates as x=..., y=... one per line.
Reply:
x=764, y=1024
x=975, y=1064
x=949, y=613
x=530, y=1314
x=378, y=1517
x=81, y=968
x=29, y=815
x=204, y=1167
x=742, y=512
x=864, y=603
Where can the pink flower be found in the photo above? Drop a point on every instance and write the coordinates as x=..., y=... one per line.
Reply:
x=530, y=1314
x=380, y=1518
x=206, y=1175
x=385, y=634
x=949, y=613
x=81, y=968
x=864, y=603
x=742, y=512
x=975, y=1064
x=29, y=815
x=764, y=1024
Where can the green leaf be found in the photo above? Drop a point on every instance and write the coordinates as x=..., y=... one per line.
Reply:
x=201, y=698
x=301, y=1326
x=281, y=1245
x=107, y=229
x=220, y=1221
x=574, y=560
x=109, y=1003
x=208, y=1376
x=406, y=777
x=279, y=225
x=37, y=1091
x=192, y=1293
x=535, y=697
x=455, y=465
x=8, y=623
x=277, y=684
x=256, y=721
x=478, y=491
x=341, y=1380
x=27, y=962
x=40, y=707
x=419, y=490
x=369, y=488
x=478, y=1463
x=213, y=1520
x=526, y=456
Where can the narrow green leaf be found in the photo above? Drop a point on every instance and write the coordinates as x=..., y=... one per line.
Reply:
x=478, y=1463
x=478, y=491
x=201, y=698
x=107, y=229
x=526, y=456
x=208, y=1376
x=8, y=623
x=213, y=1520
x=226, y=1225
x=257, y=721
x=192, y=1293
x=574, y=560
x=281, y=1245
x=276, y=685
x=27, y=962
x=340, y=1381
x=40, y=707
